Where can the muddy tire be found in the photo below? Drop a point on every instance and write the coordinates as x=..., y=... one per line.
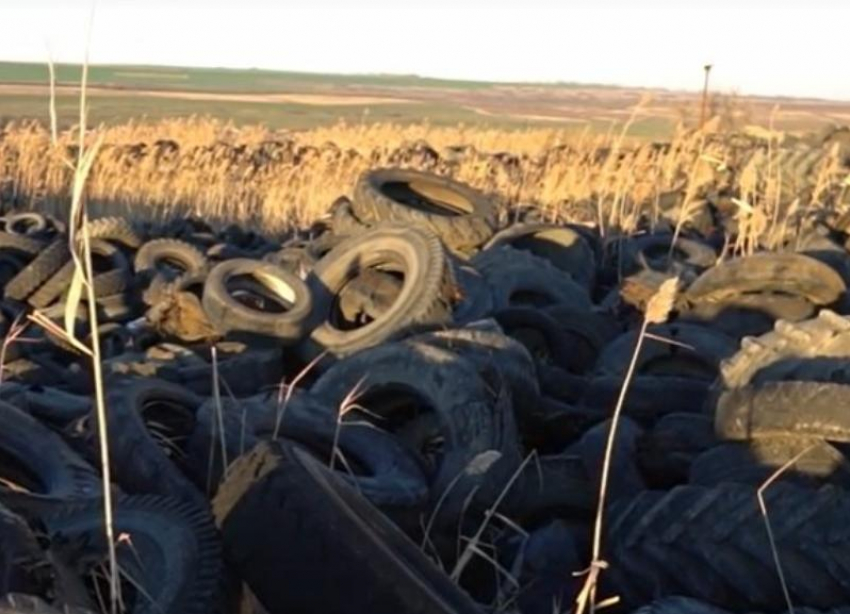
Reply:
x=326, y=540
x=288, y=322
x=711, y=544
x=425, y=300
x=460, y=216
x=787, y=273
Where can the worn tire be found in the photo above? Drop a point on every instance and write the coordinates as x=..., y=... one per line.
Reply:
x=46, y=464
x=519, y=278
x=115, y=229
x=711, y=544
x=37, y=272
x=286, y=290
x=814, y=349
x=477, y=300
x=142, y=415
x=562, y=246
x=327, y=541
x=183, y=255
x=173, y=553
x=451, y=403
x=784, y=409
x=461, y=216
x=425, y=300
x=487, y=349
x=787, y=273
x=701, y=359
x=755, y=462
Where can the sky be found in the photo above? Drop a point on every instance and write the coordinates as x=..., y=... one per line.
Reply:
x=771, y=47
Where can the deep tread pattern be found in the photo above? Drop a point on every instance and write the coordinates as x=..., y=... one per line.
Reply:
x=183, y=538
x=711, y=544
x=37, y=272
x=115, y=229
x=767, y=357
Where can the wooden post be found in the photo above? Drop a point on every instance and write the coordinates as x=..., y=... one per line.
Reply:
x=702, y=117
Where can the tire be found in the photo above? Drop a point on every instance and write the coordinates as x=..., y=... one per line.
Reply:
x=749, y=314
x=544, y=339
x=649, y=398
x=590, y=331
x=116, y=230
x=386, y=473
x=337, y=552
x=487, y=349
x=426, y=395
x=26, y=223
x=40, y=461
x=784, y=409
x=142, y=414
x=343, y=220
x=372, y=293
x=625, y=478
x=519, y=278
x=711, y=544
x=173, y=553
x=792, y=274
x=653, y=249
x=14, y=603
x=23, y=565
x=462, y=217
x=153, y=254
x=814, y=350
x=20, y=243
x=477, y=301
x=562, y=246
x=110, y=282
x=681, y=605
x=425, y=300
x=37, y=272
x=667, y=452
x=268, y=281
x=756, y=461
x=696, y=352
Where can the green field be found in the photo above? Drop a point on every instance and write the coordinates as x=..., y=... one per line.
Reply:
x=292, y=100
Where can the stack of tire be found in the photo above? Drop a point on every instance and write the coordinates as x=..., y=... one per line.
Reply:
x=406, y=409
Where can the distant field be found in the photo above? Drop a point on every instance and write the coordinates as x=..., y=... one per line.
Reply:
x=297, y=101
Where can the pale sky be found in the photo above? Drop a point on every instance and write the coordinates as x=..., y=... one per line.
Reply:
x=787, y=47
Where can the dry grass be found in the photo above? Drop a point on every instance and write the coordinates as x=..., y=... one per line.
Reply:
x=275, y=181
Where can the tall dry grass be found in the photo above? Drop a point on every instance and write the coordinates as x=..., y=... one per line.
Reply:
x=275, y=181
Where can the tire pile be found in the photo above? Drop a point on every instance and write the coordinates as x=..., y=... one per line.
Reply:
x=406, y=411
